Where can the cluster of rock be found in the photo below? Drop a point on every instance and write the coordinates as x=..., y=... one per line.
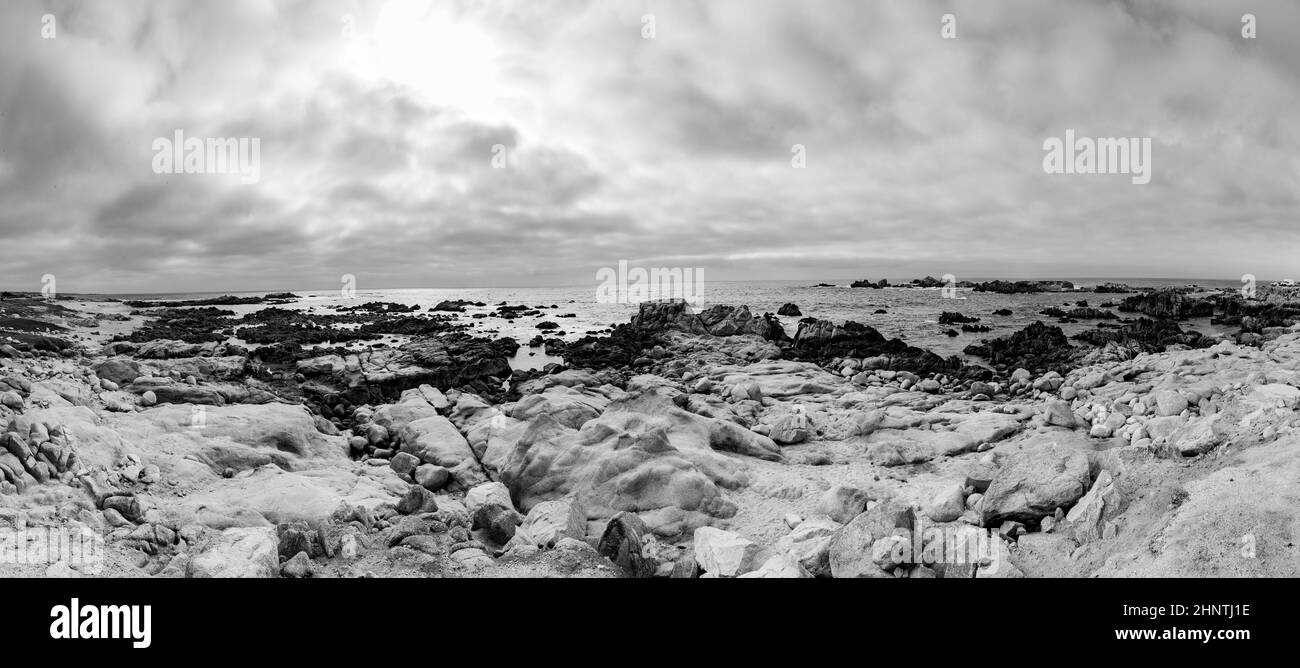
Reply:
x=1037, y=347
x=1171, y=304
x=1020, y=287
x=382, y=374
x=33, y=453
x=951, y=318
x=1078, y=313
x=695, y=445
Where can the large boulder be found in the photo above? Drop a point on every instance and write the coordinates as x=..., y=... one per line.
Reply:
x=809, y=544
x=1034, y=483
x=643, y=454
x=237, y=553
x=394, y=417
x=1159, y=428
x=897, y=447
x=471, y=409
x=842, y=503
x=435, y=440
x=624, y=544
x=1199, y=436
x=778, y=379
x=1058, y=413
x=281, y=427
x=984, y=427
x=491, y=510
x=492, y=440
x=1168, y=402
x=271, y=495
x=570, y=407
x=120, y=370
x=487, y=494
x=1088, y=518
x=779, y=566
x=723, y=553
x=947, y=505
x=240, y=436
x=550, y=522
x=790, y=429
x=853, y=553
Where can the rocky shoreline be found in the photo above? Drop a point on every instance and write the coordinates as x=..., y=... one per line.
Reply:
x=386, y=441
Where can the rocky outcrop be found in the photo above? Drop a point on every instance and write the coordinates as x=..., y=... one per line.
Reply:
x=171, y=391
x=1168, y=304
x=451, y=361
x=1037, y=347
x=1146, y=335
x=1019, y=287
x=717, y=320
x=952, y=318
x=823, y=341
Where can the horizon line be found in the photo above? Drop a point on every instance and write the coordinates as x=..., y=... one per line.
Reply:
x=811, y=281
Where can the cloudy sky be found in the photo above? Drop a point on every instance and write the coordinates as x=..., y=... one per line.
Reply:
x=654, y=131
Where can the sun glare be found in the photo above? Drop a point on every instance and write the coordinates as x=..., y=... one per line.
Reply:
x=449, y=62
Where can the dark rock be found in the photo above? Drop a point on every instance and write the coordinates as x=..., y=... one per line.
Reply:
x=1168, y=304
x=417, y=500
x=822, y=341
x=297, y=537
x=298, y=566
x=1037, y=347
x=1021, y=287
x=622, y=544
x=432, y=477
x=1146, y=335
x=129, y=507
x=499, y=521
x=951, y=318
x=686, y=567
x=120, y=370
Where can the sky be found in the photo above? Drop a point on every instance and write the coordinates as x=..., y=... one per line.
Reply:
x=455, y=144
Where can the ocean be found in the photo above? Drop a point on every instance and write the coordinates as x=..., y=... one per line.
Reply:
x=911, y=314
